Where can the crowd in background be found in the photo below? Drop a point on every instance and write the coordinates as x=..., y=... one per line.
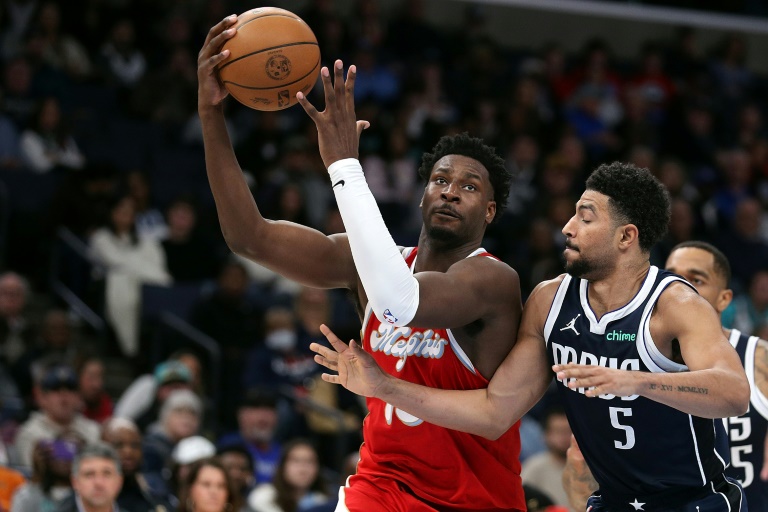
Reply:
x=103, y=189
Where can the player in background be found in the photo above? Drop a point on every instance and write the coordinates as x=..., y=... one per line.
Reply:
x=468, y=302
x=642, y=366
x=709, y=271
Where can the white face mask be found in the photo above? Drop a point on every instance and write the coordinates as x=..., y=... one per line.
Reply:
x=281, y=339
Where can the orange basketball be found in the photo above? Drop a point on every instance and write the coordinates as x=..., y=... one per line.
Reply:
x=273, y=55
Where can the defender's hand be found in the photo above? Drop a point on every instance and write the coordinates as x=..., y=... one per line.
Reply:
x=357, y=370
x=210, y=91
x=598, y=380
x=338, y=129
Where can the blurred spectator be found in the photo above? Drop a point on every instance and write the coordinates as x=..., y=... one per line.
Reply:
x=736, y=186
x=19, y=101
x=96, y=480
x=20, y=15
x=56, y=394
x=742, y=244
x=150, y=222
x=56, y=343
x=131, y=261
x=233, y=319
x=50, y=484
x=283, y=361
x=731, y=76
x=208, y=488
x=589, y=124
x=651, y=81
x=375, y=81
x=180, y=417
x=298, y=484
x=97, y=404
x=391, y=176
x=140, y=492
x=123, y=63
x=682, y=228
x=16, y=329
x=257, y=423
x=142, y=400
x=82, y=200
x=185, y=454
x=238, y=463
x=749, y=311
x=189, y=255
x=167, y=94
x=47, y=142
x=545, y=470
x=348, y=468
x=61, y=51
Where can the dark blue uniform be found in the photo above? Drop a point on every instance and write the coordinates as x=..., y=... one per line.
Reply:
x=644, y=455
x=747, y=432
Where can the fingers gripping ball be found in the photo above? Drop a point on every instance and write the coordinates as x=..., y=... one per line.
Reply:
x=273, y=55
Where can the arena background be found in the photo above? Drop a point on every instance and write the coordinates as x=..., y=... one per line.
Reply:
x=556, y=86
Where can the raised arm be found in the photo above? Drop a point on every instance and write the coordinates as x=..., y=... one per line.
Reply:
x=469, y=290
x=517, y=385
x=294, y=251
x=715, y=385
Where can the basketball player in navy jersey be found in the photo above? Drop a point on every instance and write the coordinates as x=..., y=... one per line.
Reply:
x=641, y=362
x=453, y=328
x=708, y=270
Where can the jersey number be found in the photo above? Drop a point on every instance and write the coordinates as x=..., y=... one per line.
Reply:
x=629, y=431
x=742, y=431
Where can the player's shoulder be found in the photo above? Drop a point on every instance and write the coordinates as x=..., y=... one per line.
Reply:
x=544, y=292
x=680, y=293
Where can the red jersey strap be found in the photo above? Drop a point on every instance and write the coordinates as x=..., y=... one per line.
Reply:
x=409, y=253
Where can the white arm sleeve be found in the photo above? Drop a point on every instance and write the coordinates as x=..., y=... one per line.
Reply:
x=391, y=288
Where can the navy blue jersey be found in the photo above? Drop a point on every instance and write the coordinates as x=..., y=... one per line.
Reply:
x=639, y=451
x=747, y=432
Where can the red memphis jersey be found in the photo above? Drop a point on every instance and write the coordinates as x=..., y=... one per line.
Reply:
x=448, y=469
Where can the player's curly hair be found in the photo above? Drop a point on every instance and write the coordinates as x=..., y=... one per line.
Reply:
x=636, y=196
x=472, y=147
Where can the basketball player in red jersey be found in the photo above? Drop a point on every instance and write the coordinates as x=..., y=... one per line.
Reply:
x=468, y=301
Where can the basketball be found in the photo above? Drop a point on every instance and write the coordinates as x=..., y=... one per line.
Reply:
x=273, y=55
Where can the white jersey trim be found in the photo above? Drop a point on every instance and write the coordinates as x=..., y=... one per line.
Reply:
x=554, y=309
x=598, y=327
x=649, y=352
x=696, y=448
x=756, y=398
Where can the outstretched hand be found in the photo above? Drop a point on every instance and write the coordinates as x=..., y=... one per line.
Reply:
x=210, y=91
x=337, y=127
x=356, y=369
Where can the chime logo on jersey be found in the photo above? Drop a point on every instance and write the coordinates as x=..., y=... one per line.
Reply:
x=402, y=342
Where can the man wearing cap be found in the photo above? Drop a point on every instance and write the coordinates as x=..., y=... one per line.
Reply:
x=56, y=395
x=142, y=401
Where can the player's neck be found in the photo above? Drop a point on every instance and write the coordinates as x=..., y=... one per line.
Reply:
x=617, y=288
x=437, y=256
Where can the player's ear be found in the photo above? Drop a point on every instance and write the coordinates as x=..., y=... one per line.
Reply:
x=724, y=298
x=490, y=212
x=628, y=235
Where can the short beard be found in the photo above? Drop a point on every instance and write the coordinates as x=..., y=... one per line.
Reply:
x=444, y=236
x=579, y=268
